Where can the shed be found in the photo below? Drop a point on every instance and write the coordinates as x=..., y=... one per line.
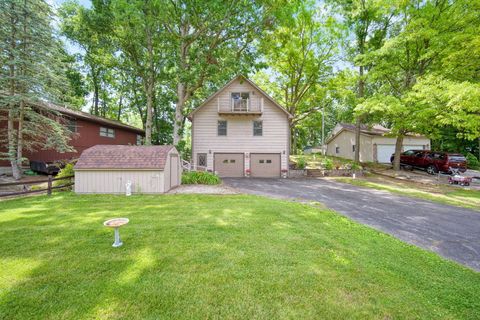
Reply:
x=108, y=168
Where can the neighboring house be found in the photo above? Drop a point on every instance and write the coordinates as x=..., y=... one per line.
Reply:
x=241, y=131
x=375, y=144
x=88, y=130
x=108, y=169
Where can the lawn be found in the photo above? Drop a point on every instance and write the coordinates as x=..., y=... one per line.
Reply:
x=439, y=193
x=224, y=257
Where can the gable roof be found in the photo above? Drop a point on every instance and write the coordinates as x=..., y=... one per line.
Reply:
x=239, y=77
x=124, y=157
x=375, y=130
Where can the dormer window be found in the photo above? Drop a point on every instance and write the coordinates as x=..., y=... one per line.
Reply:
x=240, y=101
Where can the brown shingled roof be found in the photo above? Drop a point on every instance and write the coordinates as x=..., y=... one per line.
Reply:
x=123, y=157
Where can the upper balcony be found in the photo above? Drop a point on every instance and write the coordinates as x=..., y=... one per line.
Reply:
x=240, y=104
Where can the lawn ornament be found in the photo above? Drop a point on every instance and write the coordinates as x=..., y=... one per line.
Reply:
x=456, y=178
x=128, y=188
x=116, y=224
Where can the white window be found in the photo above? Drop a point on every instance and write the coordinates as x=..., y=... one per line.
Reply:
x=72, y=125
x=107, y=132
x=139, y=140
x=337, y=150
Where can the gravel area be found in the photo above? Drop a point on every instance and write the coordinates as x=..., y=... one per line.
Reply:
x=203, y=189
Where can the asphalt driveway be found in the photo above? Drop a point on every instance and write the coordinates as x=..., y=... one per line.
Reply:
x=452, y=232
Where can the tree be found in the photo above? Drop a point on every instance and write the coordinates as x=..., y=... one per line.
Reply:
x=31, y=69
x=300, y=53
x=212, y=42
x=368, y=21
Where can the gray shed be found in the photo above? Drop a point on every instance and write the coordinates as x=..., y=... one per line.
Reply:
x=108, y=168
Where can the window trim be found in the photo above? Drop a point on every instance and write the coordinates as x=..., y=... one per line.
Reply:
x=106, y=133
x=218, y=128
x=198, y=159
x=72, y=123
x=337, y=149
x=261, y=128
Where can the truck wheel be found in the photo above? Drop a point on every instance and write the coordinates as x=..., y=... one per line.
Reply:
x=431, y=169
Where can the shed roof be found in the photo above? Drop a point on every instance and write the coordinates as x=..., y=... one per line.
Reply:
x=124, y=157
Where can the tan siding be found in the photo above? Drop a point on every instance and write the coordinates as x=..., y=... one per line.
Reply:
x=407, y=141
x=345, y=140
x=239, y=128
x=113, y=181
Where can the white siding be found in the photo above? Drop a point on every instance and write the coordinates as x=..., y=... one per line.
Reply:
x=240, y=136
x=345, y=140
x=113, y=181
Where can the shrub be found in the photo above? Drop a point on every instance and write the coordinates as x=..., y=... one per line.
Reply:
x=64, y=172
x=200, y=177
x=301, y=163
x=328, y=164
x=356, y=166
x=472, y=161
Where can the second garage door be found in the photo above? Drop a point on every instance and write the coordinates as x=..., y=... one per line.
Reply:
x=265, y=165
x=229, y=164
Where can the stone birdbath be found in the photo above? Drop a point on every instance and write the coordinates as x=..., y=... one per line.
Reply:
x=116, y=224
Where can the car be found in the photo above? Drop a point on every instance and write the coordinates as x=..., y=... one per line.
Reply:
x=432, y=161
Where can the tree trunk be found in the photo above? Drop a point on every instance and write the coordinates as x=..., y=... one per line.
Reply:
x=11, y=144
x=177, y=125
x=358, y=125
x=148, y=121
x=293, y=140
x=95, y=99
x=398, y=151
x=20, y=139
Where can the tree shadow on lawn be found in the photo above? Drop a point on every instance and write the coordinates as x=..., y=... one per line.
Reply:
x=240, y=257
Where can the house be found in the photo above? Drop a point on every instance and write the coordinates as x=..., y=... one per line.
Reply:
x=375, y=143
x=241, y=131
x=88, y=130
x=108, y=169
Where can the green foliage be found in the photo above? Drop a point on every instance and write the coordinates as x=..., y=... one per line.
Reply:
x=301, y=163
x=472, y=161
x=200, y=177
x=66, y=171
x=328, y=164
x=356, y=166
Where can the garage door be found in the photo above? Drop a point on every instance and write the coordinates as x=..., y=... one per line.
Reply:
x=384, y=152
x=265, y=165
x=229, y=164
x=405, y=148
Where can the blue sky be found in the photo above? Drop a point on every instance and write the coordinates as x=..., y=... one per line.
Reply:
x=85, y=3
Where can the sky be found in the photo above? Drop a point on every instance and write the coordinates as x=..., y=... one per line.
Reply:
x=85, y=3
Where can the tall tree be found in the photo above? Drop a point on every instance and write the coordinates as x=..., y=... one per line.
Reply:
x=368, y=21
x=31, y=70
x=212, y=41
x=300, y=54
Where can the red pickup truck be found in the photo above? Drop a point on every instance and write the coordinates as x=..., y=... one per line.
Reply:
x=432, y=161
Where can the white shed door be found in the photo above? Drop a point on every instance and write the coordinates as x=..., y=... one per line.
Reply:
x=384, y=152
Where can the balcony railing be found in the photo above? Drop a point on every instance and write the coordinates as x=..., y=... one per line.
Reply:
x=252, y=106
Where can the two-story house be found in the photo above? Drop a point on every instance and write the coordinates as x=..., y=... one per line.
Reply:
x=241, y=131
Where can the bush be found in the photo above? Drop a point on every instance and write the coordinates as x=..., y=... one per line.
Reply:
x=472, y=161
x=328, y=164
x=301, y=163
x=64, y=172
x=356, y=166
x=200, y=177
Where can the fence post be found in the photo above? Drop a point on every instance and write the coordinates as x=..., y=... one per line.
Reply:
x=49, y=190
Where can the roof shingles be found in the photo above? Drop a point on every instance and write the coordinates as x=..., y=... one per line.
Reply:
x=124, y=157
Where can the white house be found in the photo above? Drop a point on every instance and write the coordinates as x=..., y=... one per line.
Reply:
x=375, y=143
x=241, y=131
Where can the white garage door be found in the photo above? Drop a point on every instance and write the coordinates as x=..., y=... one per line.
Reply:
x=384, y=152
x=405, y=148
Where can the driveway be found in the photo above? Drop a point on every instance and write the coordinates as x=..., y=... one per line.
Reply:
x=452, y=232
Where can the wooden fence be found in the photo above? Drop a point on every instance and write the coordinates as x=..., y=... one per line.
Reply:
x=48, y=189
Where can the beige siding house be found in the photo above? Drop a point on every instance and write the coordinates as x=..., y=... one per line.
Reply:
x=241, y=131
x=108, y=168
x=375, y=144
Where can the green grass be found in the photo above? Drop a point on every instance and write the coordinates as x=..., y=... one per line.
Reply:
x=443, y=194
x=222, y=257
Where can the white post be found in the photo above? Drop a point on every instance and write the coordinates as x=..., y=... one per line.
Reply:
x=261, y=104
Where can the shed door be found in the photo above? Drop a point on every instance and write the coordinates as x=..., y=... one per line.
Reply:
x=174, y=170
x=265, y=165
x=229, y=164
x=384, y=152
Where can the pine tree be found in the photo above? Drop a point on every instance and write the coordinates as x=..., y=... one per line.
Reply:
x=31, y=71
